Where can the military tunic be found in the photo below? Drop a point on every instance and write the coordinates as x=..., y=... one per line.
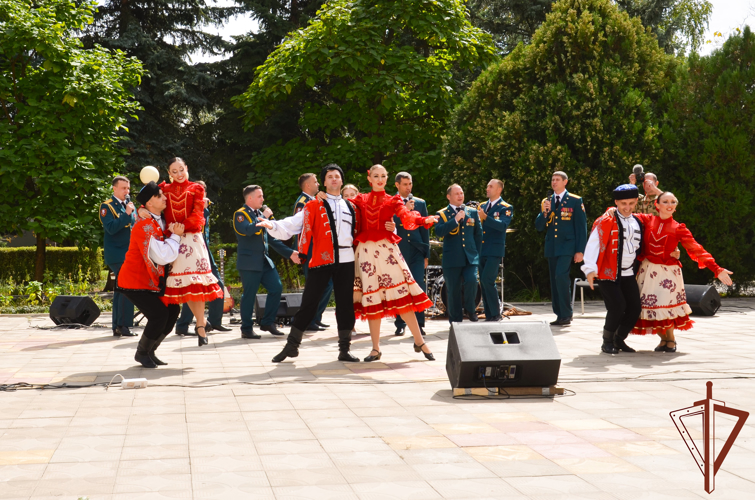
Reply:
x=461, y=256
x=493, y=249
x=256, y=267
x=565, y=229
x=117, y=225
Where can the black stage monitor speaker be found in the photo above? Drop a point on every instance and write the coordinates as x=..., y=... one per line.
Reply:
x=288, y=307
x=511, y=354
x=703, y=299
x=70, y=309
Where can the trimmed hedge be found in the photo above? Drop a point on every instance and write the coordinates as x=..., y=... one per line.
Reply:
x=17, y=264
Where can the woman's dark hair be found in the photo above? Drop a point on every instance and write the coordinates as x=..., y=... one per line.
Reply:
x=176, y=159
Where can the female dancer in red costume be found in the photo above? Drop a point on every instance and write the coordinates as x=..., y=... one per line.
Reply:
x=664, y=302
x=383, y=284
x=190, y=280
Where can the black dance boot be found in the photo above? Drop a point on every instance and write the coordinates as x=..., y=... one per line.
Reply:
x=291, y=349
x=143, y=349
x=620, y=344
x=344, y=344
x=608, y=346
x=157, y=360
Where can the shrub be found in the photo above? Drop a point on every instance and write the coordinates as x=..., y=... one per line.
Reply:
x=71, y=263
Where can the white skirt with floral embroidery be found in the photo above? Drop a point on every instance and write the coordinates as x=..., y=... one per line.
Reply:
x=663, y=299
x=383, y=285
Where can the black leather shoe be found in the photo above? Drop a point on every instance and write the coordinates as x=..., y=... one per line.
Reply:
x=399, y=331
x=202, y=340
x=347, y=356
x=661, y=347
x=561, y=322
x=250, y=335
x=289, y=351
x=271, y=329
x=123, y=331
x=181, y=332
x=494, y=318
x=472, y=316
x=670, y=349
x=314, y=328
x=373, y=357
x=219, y=328
x=422, y=331
x=428, y=355
x=321, y=324
x=157, y=360
x=620, y=345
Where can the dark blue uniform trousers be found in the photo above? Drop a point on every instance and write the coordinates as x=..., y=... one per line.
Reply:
x=324, y=300
x=417, y=268
x=214, y=308
x=488, y=273
x=251, y=281
x=558, y=268
x=460, y=280
x=123, y=309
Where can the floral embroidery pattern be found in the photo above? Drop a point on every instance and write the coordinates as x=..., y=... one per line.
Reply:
x=668, y=285
x=391, y=260
x=358, y=283
x=367, y=268
x=376, y=254
x=649, y=300
x=182, y=249
x=681, y=297
x=385, y=281
x=203, y=266
x=653, y=274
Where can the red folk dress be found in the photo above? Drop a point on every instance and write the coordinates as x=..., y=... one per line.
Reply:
x=190, y=278
x=660, y=280
x=383, y=285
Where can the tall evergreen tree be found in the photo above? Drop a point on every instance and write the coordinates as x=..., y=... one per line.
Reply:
x=163, y=34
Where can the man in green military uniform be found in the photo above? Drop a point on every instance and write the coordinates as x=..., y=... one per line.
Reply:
x=255, y=265
x=414, y=244
x=495, y=215
x=309, y=187
x=460, y=228
x=117, y=218
x=562, y=217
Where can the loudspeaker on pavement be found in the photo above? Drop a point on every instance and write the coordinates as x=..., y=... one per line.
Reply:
x=73, y=310
x=289, y=305
x=704, y=300
x=513, y=354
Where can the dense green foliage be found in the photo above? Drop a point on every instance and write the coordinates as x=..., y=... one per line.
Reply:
x=62, y=109
x=679, y=25
x=709, y=135
x=579, y=98
x=374, y=85
x=17, y=264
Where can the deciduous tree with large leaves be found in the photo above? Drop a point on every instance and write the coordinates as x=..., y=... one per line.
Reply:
x=580, y=98
x=373, y=82
x=62, y=109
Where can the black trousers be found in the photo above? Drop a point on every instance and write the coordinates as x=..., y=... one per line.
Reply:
x=160, y=318
x=622, y=300
x=343, y=289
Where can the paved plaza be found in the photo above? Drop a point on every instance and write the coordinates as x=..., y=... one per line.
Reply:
x=224, y=422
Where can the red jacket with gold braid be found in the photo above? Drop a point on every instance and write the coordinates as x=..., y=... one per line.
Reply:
x=185, y=205
x=316, y=231
x=138, y=272
x=608, y=235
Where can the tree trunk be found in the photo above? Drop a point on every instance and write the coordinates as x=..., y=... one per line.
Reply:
x=39, y=264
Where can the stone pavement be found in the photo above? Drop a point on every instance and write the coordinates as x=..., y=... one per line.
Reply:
x=222, y=421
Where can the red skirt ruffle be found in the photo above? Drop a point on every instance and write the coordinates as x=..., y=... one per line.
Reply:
x=391, y=308
x=657, y=327
x=192, y=293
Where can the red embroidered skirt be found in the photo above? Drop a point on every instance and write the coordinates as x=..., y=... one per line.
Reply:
x=664, y=301
x=383, y=285
x=191, y=278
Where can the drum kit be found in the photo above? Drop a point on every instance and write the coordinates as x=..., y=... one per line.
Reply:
x=438, y=294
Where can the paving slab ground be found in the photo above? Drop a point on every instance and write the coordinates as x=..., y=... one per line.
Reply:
x=223, y=421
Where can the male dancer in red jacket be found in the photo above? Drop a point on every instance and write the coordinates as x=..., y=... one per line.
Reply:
x=142, y=276
x=328, y=227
